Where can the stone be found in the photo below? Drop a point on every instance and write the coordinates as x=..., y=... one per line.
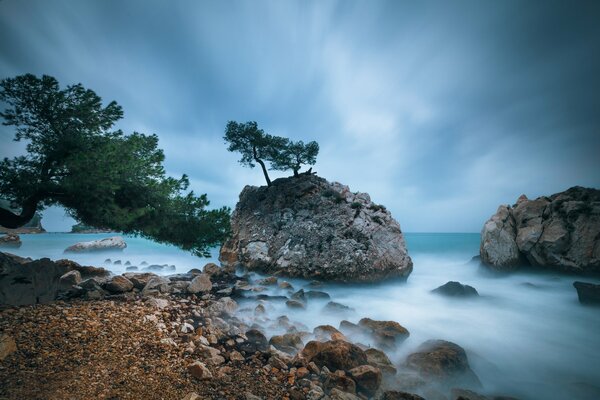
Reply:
x=317, y=295
x=339, y=381
x=386, y=333
x=325, y=332
x=200, y=284
x=295, y=304
x=367, y=378
x=398, y=395
x=271, y=280
x=158, y=303
x=288, y=343
x=7, y=346
x=560, y=232
x=86, y=271
x=463, y=394
x=225, y=306
x=443, y=362
x=211, y=269
x=192, y=396
x=379, y=359
x=118, y=284
x=308, y=227
x=69, y=279
x=588, y=293
x=256, y=341
x=456, y=289
x=10, y=240
x=236, y=356
x=337, y=308
x=334, y=354
x=199, y=371
x=23, y=281
x=139, y=280
x=156, y=285
x=111, y=243
x=337, y=394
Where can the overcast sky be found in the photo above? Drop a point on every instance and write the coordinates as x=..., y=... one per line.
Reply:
x=440, y=110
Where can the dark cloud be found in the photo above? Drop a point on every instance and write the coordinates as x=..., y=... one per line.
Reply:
x=441, y=110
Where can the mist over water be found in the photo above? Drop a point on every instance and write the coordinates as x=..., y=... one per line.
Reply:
x=526, y=335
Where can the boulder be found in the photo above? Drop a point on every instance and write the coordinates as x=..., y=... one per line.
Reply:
x=379, y=359
x=69, y=279
x=118, y=284
x=199, y=371
x=367, y=378
x=444, y=363
x=456, y=289
x=211, y=269
x=139, y=280
x=560, y=232
x=111, y=243
x=334, y=354
x=10, y=240
x=588, y=293
x=25, y=282
x=85, y=270
x=386, y=333
x=288, y=343
x=337, y=394
x=398, y=395
x=308, y=227
x=256, y=341
x=7, y=346
x=200, y=283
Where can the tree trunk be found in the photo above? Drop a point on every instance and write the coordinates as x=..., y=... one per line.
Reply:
x=11, y=220
x=296, y=172
x=262, y=165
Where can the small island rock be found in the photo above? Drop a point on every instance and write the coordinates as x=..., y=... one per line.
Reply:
x=111, y=243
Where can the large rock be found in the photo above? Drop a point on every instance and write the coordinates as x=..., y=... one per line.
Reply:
x=559, y=232
x=367, y=378
x=456, y=289
x=111, y=243
x=308, y=227
x=118, y=284
x=334, y=354
x=588, y=293
x=10, y=240
x=444, y=363
x=29, y=282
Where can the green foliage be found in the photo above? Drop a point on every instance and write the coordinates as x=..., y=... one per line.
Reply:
x=102, y=177
x=256, y=146
x=356, y=205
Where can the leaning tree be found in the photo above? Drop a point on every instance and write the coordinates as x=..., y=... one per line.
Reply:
x=102, y=177
x=258, y=147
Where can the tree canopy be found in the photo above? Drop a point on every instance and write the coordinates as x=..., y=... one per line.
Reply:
x=102, y=177
x=256, y=146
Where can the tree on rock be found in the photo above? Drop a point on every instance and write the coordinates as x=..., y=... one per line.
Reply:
x=256, y=146
x=102, y=177
x=294, y=155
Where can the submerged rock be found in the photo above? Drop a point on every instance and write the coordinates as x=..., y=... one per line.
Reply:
x=308, y=227
x=456, y=289
x=111, y=243
x=588, y=293
x=560, y=232
x=334, y=354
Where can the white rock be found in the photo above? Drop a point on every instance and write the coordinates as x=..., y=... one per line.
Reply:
x=111, y=243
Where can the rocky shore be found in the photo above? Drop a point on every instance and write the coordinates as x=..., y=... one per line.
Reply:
x=208, y=334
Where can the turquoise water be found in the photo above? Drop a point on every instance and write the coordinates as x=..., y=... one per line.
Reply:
x=526, y=335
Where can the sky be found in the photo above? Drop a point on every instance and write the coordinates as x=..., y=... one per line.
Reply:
x=441, y=111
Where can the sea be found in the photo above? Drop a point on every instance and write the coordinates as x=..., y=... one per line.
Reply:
x=526, y=334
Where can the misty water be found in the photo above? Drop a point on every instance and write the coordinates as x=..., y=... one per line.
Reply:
x=526, y=335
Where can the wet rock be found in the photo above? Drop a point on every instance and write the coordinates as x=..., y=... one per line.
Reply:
x=337, y=394
x=118, y=262
x=560, y=232
x=379, y=359
x=317, y=295
x=131, y=268
x=111, y=243
x=225, y=307
x=139, y=280
x=463, y=394
x=155, y=267
x=367, y=378
x=10, y=240
x=398, y=395
x=456, y=289
x=288, y=343
x=443, y=362
x=386, y=333
x=85, y=271
x=200, y=283
x=92, y=289
x=588, y=293
x=295, y=304
x=199, y=371
x=273, y=230
x=285, y=285
x=156, y=285
x=271, y=280
x=118, y=284
x=256, y=341
x=337, y=308
x=7, y=346
x=334, y=354
x=326, y=332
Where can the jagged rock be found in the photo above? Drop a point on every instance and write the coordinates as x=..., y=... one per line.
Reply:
x=308, y=227
x=29, y=282
x=10, y=240
x=588, y=293
x=111, y=243
x=85, y=271
x=367, y=378
x=156, y=285
x=334, y=354
x=397, y=395
x=316, y=294
x=225, y=306
x=199, y=371
x=139, y=280
x=256, y=342
x=333, y=307
x=456, y=289
x=379, y=359
x=70, y=279
x=200, y=283
x=295, y=304
x=386, y=333
x=337, y=394
x=211, y=269
x=325, y=332
x=443, y=362
x=559, y=232
x=463, y=394
x=288, y=343
x=118, y=284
